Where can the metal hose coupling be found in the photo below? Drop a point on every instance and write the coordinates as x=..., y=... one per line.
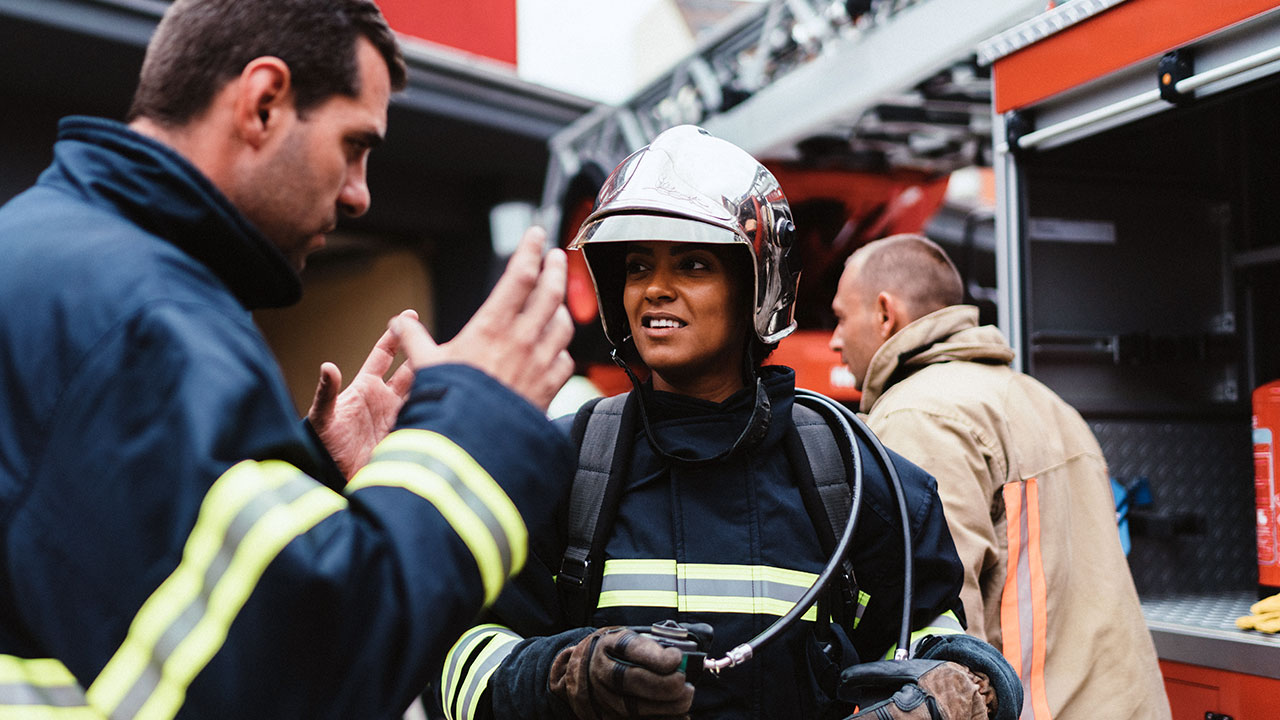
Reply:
x=736, y=656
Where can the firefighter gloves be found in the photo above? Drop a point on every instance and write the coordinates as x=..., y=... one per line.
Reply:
x=918, y=690
x=613, y=673
x=1264, y=617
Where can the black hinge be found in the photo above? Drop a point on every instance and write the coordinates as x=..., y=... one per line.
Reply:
x=1175, y=66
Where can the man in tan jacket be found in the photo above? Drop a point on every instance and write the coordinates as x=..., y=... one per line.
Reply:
x=1022, y=480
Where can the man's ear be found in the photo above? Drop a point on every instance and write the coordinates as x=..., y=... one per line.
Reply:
x=263, y=100
x=891, y=314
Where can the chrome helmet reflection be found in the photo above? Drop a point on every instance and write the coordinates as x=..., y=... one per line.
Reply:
x=689, y=186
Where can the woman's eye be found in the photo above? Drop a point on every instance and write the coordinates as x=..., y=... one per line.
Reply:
x=634, y=267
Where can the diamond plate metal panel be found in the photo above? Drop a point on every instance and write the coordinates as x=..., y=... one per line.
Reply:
x=1200, y=535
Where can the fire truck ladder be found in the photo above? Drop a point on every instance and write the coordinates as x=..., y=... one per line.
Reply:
x=861, y=84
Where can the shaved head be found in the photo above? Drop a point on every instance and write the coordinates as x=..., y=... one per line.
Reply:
x=886, y=285
x=913, y=268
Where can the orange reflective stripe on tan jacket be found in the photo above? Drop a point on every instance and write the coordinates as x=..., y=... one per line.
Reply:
x=1028, y=501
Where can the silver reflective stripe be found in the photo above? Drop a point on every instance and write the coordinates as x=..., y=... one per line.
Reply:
x=473, y=502
x=1024, y=603
x=40, y=687
x=22, y=694
x=484, y=647
x=244, y=521
x=703, y=587
x=477, y=679
x=863, y=599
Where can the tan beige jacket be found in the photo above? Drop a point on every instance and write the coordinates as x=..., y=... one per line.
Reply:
x=1027, y=496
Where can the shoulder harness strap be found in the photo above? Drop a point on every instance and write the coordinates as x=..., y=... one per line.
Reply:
x=828, y=466
x=596, y=428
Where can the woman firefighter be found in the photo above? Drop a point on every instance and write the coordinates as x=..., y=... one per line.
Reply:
x=699, y=496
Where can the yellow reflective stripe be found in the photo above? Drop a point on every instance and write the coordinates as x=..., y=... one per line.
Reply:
x=248, y=516
x=490, y=546
x=637, y=598
x=457, y=657
x=945, y=624
x=704, y=571
x=440, y=493
x=35, y=688
x=41, y=672
x=476, y=478
x=625, y=566
x=704, y=587
x=486, y=663
x=459, y=690
x=863, y=599
x=745, y=605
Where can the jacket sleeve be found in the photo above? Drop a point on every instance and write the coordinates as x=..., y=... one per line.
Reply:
x=878, y=561
x=174, y=556
x=953, y=453
x=500, y=668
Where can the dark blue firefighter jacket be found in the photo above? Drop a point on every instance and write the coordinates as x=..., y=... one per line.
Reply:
x=173, y=541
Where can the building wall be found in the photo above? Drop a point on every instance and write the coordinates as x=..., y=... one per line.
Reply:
x=346, y=303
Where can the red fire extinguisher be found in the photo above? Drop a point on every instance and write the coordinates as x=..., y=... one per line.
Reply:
x=1266, y=433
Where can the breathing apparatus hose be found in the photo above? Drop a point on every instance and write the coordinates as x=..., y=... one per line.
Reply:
x=853, y=427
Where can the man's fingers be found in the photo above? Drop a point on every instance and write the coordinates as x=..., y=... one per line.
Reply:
x=547, y=296
x=401, y=380
x=415, y=341
x=384, y=351
x=326, y=392
x=517, y=281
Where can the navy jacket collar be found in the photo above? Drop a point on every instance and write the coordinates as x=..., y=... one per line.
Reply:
x=153, y=186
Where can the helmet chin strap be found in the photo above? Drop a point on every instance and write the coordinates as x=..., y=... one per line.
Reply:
x=757, y=425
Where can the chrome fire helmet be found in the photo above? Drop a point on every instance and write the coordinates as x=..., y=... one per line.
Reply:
x=688, y=186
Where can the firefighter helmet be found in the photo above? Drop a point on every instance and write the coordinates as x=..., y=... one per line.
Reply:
x=689, y=186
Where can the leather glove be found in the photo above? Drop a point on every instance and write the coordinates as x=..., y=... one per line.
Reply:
x=1265, y=616
x=614, y=673
x=918, y=690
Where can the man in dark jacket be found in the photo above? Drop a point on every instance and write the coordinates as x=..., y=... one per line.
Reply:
x=176, y=543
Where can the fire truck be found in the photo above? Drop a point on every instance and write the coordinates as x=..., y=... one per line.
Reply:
x=1130, y=251
x=1138, y=252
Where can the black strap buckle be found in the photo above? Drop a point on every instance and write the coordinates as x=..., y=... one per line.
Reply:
x=573, y=571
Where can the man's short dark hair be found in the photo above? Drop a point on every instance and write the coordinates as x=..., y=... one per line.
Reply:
x=200, y=45
x=913, y=267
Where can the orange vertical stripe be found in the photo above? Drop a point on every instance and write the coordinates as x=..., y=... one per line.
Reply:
x=1010, y=629
x=1039, y=605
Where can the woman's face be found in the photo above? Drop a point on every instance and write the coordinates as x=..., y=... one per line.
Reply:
x=687, y=316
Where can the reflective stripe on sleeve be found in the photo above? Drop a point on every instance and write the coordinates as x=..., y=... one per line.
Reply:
x=434, y=468
x=863, y=599
x=703, y=587
x=32, y=689
x=945, y=624
x=248, y=516
x=470, y=664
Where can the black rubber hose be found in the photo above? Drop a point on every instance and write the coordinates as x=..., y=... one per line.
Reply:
x=908, y=545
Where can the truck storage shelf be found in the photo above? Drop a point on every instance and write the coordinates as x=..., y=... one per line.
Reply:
x=1200, y=629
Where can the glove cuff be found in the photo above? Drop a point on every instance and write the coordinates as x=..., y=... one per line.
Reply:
x=979, y=657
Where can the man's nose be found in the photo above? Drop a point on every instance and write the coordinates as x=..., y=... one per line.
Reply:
x=354, y=200
x=834, y=343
